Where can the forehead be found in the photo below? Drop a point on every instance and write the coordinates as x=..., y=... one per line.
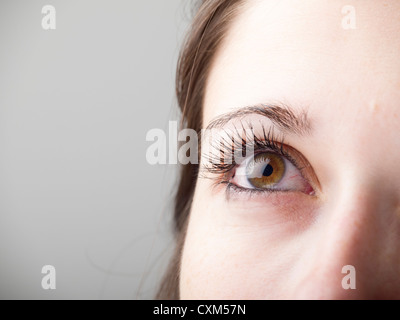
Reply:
x=299, y=51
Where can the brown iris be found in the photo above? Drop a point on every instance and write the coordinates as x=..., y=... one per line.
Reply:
x=265, y=170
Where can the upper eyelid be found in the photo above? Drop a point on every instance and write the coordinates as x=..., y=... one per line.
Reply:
x=268, y=139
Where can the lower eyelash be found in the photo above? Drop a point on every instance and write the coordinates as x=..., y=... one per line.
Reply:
x=233, y=189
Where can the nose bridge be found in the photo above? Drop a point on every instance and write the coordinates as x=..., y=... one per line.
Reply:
x=360, y=208
x=356, y=227
x=353, y=228
x=362, y=211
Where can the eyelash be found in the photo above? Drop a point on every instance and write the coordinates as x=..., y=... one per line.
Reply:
x=268, y=141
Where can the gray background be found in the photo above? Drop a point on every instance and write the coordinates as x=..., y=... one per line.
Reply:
x=76, y=191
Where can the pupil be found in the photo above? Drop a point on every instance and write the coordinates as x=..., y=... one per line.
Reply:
x=268, y=170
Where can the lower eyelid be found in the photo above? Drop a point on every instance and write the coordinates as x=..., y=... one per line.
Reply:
x=249, y=198
x=232, y=188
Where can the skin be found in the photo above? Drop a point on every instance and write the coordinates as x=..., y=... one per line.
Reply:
x=290, y=245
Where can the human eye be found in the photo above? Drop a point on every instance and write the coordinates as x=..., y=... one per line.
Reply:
x=269, y=171
x=272, y=166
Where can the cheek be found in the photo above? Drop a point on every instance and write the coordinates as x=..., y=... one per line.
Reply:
x=233, y=253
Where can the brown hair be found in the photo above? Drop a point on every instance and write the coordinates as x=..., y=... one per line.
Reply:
x=208, y=28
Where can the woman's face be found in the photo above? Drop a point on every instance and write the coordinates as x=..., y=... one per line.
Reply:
x=283, y=225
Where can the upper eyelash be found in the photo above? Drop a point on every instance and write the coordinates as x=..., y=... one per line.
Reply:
x=269, y=141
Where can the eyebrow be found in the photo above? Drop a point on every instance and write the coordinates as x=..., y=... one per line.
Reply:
x=281, y=115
